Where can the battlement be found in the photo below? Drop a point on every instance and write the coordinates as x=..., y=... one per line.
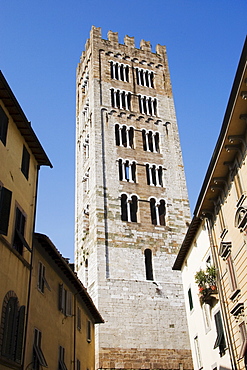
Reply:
x=112, y=39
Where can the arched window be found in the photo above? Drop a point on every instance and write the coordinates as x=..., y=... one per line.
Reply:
x=154, y=175
x=150, y=141
x=148, y=264
x=131, y=137
x=162, y=212
x=119, y=71
x=158, y=212
x=127, y=170
x=12, y=328
x=147, y=105
x=129, y=207
x=153, y=211
x=156, y=140
x=124, y=213
x=133, y=208
x=120, y=99
x=117, y=134
x=124, y=136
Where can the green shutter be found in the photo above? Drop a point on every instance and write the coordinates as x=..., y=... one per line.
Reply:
x=20, y=332
x=5, y=202
x=3, y=126
x=25, y=162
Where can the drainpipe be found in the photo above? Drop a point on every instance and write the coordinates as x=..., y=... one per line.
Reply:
x=221, y=295
x=75, y=317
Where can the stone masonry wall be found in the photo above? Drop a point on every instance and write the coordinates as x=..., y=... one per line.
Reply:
x=145, y=324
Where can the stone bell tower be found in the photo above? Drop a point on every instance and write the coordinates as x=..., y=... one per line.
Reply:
x=131, y=204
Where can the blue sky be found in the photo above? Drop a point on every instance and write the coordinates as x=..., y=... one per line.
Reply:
x=40, y=46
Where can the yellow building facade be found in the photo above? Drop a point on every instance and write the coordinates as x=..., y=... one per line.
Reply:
x=47, y=318
x=62, y=316
x=21, y=156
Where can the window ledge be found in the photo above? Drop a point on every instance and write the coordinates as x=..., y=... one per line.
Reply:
x=14, y=251
x=235, y=294
x=9, y=363
x=237, y=309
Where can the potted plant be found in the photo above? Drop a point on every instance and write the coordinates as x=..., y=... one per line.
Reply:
x=206, y=281
x=201, y=280
x=211, y=277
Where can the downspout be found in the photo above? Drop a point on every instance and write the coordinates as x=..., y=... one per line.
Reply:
x=102, y=110
x=31, y=267
x=75, y=317
x=220, y=290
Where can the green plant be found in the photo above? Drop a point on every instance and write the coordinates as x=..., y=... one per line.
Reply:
x=211, y=275
x=201, y=278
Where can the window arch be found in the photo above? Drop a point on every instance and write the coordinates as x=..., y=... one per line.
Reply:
x=158, y=212
x=150, y=141
x=241, y=218
x=124, y=136
x=127, y=170
x=129, y=207
x=12, y=328
x=119, y=71
x=147, y=105
x=148, y=264
x=144, y=77
x=154, y=175
x=120, y=99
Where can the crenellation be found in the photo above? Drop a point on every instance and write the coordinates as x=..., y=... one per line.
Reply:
x=113, y=37
x=145, y=45
x=129, y=41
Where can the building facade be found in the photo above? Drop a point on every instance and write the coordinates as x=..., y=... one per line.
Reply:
x=222, y=206
x=21, y=157
x=61, y=315
x=131, y=203
x=46, y=315
x=208, y=339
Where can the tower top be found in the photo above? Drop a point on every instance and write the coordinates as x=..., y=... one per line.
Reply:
x=129, y=42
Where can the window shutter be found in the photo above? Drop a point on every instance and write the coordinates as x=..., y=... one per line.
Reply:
x=8, y=347
x=41, y=279
x=39, y=358
x=25, y=162
x=220, y=340
x=89, y=331
x=20, y=332
x=190, y=299
x=3, y=126
x=243, y=334
x=5, y=202
x=61, y=301
x=78, y=318
x=68, y=303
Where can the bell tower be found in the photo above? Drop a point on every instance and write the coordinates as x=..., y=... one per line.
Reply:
x=131, y=203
